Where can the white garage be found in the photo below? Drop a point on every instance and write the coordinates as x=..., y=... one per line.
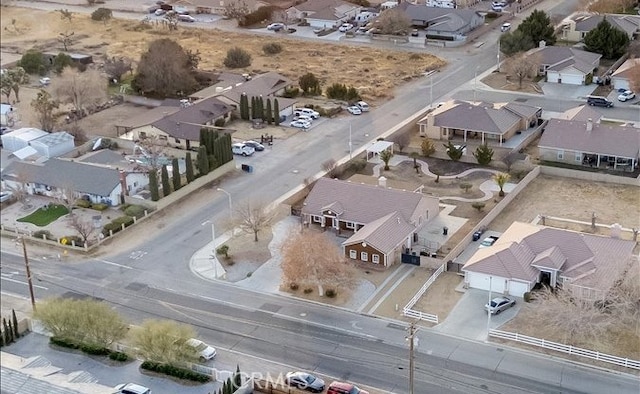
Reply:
x=567, y=77
x=499, y=285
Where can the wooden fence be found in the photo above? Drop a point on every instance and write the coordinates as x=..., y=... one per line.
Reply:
x=407, y=311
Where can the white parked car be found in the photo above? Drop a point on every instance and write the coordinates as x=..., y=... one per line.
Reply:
x=186, y=18
x=364, y=107
x=345, y=27
x=626, y=95
x=354, y=110
x=160, y=12
x=132, y=388
x=300, y=124
x=303, y=117
x=45, y=81
x=276, y=26
x=242, y=149
x=205, y=352
x=306, y=111
x=505, y=27
x=5, y=196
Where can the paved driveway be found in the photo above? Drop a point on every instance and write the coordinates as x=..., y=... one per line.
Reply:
x=468, y=318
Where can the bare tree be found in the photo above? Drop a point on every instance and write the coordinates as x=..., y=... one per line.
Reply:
x=66, y=39
x=311, y=258
x=44, y=106
x=66, y=15
x=19, y=188
x=152, y=149
x=81, y=89
x=171, y=20
x=393, y=21
x=66, y=195
x=164, y=341
x=117, y=67
x=331, y=167
x=253, y=217
x=521, y=66
x=237, y=9
x=402, y=140
x=84, y=227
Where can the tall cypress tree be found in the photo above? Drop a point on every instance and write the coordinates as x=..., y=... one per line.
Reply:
x=203, y=160
x=189, y=167
x=276, y=112
x=166, y=185
x=244, y=107
x=7, y=332
x=15, y=323
x=175, y=174
x=153, y=185
x=268, y=112
x=253, y=107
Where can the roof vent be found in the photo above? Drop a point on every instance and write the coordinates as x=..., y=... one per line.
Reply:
x=589, y=124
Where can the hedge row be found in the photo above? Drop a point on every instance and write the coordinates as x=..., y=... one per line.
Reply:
x=88, y=348
x=181, y=373
x=116, y=224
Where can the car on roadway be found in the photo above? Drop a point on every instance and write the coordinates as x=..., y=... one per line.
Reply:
x=242, y=149
x=345, y=27
x=186, y=18
x=626, y=95
x=300, y=124
x=276, y=26
x=132, y=388
x=354, y=110
x=414, y=33
x=205, y=352
x=489, y=241
x=344, y=388
x=498, y=304
x=505, y=27
x=255, y=145
x=304, y=381
x=160, y=12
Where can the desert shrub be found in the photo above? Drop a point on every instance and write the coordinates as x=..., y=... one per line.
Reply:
x=63, y=342
x=527, y=296
x=136, y=211
x=308, y=290
x=415, y=56
x=126, y=220
x=294, y=286
x=358, y=165
x=118, y=356
x=81, y=203
x=249, y=274
x=33, y=62
x=291, y=92
x=237, y=58
x=261, y=14
x=272, y=48
x=223, y=250
x=109, y=227
x=95, y=350
x=331, y=293
x=479, y=206
x=99, y=206
x=181, y=373
x=101, y=14
x=43, y=234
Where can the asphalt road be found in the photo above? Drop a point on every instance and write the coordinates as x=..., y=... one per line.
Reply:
x=153, y=279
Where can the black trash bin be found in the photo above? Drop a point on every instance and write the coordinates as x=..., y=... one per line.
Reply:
x=445, y=230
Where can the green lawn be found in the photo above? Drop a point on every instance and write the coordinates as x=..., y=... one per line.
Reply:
x=44, y=216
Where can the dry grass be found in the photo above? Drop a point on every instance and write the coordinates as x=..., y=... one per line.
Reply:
x=374, y=72
x=501, y=82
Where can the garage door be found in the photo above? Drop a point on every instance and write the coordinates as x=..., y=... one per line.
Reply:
x=552, y=76
x=481, y=282
x=571, y=79
x=517, y=289
x=620, y=83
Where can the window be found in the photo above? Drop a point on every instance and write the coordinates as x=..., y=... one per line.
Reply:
x=351, y=225
x=353, y=254
x=560, y=155
x=375, y=258
x=316, y=219
x=142, y=135
x=364, y=256
x=579, y=157
x=162, y=137
x=177, y=141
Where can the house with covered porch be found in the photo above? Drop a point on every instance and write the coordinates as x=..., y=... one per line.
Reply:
x=487, y=122
x=378, y=222
x=590, y=144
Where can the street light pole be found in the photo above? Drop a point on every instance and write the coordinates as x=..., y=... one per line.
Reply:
x=411, y=338
x=230, y=204
x=29, y=281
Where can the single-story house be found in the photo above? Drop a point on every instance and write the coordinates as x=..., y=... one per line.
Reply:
x=565, y=64
x=224, y=81
x=76, y=58
x=629, y=71
x=576, y=28
x=485, y=121
x=324, y=13
x=181, y=129
x=442, y=23
x=382, y=221
x=581, y=113
x=167, y=107
x=218, y=6
x=7, y=115
x=101, y=184
x=269, y=85
x=527, y=254
x=590, y=144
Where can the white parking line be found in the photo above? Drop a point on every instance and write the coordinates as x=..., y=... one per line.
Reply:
x=114, y=264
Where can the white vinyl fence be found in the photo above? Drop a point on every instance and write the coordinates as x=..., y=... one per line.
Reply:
x=558, y=347
x=407, y=311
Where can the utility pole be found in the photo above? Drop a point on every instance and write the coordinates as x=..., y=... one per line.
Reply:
x=26, y=264
x=411, y=337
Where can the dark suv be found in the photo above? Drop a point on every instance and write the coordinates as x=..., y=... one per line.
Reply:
x=599, y=101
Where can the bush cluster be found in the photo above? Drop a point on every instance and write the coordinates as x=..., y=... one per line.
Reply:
x=181, y=373
x=136, y=211
x=272, y=48
x=340, y=91
x=261, y=14
x=118, y=356
x=99, y=206
x=88, y=348
x=291, y=92
x=71, y=240
x=237, y=58
x=101, y=14
x=63, y=342
x=95, y=350
x=331, y=293
x=82, y=203
x=308, y=290
x=43, y=233
x=116, y=224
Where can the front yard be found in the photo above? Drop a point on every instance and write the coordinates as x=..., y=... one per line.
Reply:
x=45, y=215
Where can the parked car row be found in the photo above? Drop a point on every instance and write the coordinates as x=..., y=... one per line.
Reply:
x=309, y=382
x=246, y=148
x=303, y=118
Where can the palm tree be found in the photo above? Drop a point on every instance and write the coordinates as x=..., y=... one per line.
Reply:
x=501, y=179
x=385, y=156
x=414, y=156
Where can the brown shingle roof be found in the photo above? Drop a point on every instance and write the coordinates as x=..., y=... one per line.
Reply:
x=264, y=84
x=581, y=113
x=186, y=123
x=602, y=139
x=482, y=118
x=383, y=234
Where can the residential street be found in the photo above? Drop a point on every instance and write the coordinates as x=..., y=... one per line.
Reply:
x=153, y=278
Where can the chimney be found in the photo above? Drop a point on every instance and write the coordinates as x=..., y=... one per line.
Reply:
x=123, y=183
x=382, y=182
x=589, y=124
x=542, y=44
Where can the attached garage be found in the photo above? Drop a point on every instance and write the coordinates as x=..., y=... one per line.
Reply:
x=567, y=78
x=499, y=285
